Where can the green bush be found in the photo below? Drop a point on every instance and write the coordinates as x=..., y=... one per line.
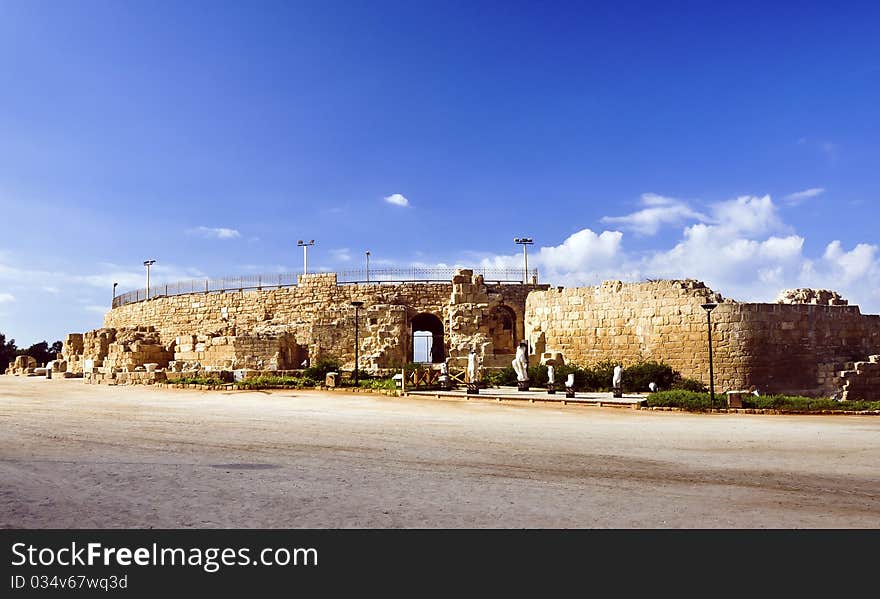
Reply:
x=319, y=370
x=687, y=384
x=638, y=376
x=689, y=400
x=503, y=376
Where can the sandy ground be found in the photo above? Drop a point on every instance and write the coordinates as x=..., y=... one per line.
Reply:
x=75, y=455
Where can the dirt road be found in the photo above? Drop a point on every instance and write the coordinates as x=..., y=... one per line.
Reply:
x=75, y=455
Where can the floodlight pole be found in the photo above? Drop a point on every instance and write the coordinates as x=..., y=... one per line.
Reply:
x=525, y=242
x=708, y=308
x=305, y=246
x=148, y=264
x=114, y=295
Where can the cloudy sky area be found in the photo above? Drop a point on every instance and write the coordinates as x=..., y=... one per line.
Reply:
x=731, y=143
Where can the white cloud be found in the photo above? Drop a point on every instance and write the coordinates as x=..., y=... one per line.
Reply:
x=397, y=199
x=658, y=211
x=6, y=297
x=96, y=309
x=582, y=258
x=340, y=254
x=214, y=233
x=743, y=250
x=799, y=196
x=746, y=215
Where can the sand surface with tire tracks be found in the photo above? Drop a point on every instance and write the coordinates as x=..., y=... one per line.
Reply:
x=92, y=456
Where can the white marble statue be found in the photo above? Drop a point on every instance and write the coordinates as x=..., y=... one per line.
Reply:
x=569, y=382
x=520, y=364
x=551, y=375
x=617, y=379
x=652, y=386
x=472, y=368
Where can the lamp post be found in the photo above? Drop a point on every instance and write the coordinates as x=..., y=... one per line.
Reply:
x=708, y=308
x=525, y=242
x=114, y=294
x=305, y=246
x=148, y=264
x=357, y=306
x=368, y=265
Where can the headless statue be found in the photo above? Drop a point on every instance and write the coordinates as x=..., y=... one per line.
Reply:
x=520, y=365
x=473, y=367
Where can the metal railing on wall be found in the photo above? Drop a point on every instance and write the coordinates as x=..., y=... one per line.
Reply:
x=349, y=277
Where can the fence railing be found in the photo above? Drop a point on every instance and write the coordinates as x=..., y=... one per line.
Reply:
x=432, y=275
x=279, y=280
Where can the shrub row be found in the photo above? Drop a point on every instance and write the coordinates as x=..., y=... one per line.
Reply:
x=699, y=402
x=597, y=377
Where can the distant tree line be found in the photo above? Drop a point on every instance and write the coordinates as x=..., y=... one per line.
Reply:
x=42, y=352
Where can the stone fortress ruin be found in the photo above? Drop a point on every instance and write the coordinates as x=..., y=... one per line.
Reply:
x=809, y=342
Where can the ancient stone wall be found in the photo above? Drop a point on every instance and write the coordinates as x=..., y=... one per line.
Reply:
x=861, y=380
x=315, y=319
x=774, y=347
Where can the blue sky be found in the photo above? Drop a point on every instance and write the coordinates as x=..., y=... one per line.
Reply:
x=730, y=142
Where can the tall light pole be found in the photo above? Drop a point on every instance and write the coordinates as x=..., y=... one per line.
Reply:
x=525, y=242
x=357, y=306
x=148, y=264
x=708, y=308
x=368, y=265
x=305, y=246
x=114, y=295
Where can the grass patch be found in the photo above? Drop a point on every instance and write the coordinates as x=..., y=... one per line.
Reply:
x=276, y=382
x=387, y=384
x=700, y=402
x=197, y=380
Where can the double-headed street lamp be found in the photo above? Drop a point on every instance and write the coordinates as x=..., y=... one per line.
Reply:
x=708, y=308
x=357, y=306
x=305, y=246
x=525, y=242
x=148, y=264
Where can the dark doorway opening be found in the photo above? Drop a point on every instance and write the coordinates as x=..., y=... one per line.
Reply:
x=427, y=339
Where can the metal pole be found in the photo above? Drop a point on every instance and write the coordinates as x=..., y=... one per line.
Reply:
x=148, y=264
x=305, y=259
x=525, y=241
x=711, y=373
x=356, y=345
x=368, y=266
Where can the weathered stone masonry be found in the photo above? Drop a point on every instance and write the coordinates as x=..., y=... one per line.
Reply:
x=315, y=320
x=794, y=348
x=789, y=346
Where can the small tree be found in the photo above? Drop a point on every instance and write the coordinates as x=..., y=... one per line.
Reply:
x=8, y=351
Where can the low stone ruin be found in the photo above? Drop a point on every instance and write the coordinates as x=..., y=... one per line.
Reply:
x=22, y=365
x=861, y=380
x=820, y=297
